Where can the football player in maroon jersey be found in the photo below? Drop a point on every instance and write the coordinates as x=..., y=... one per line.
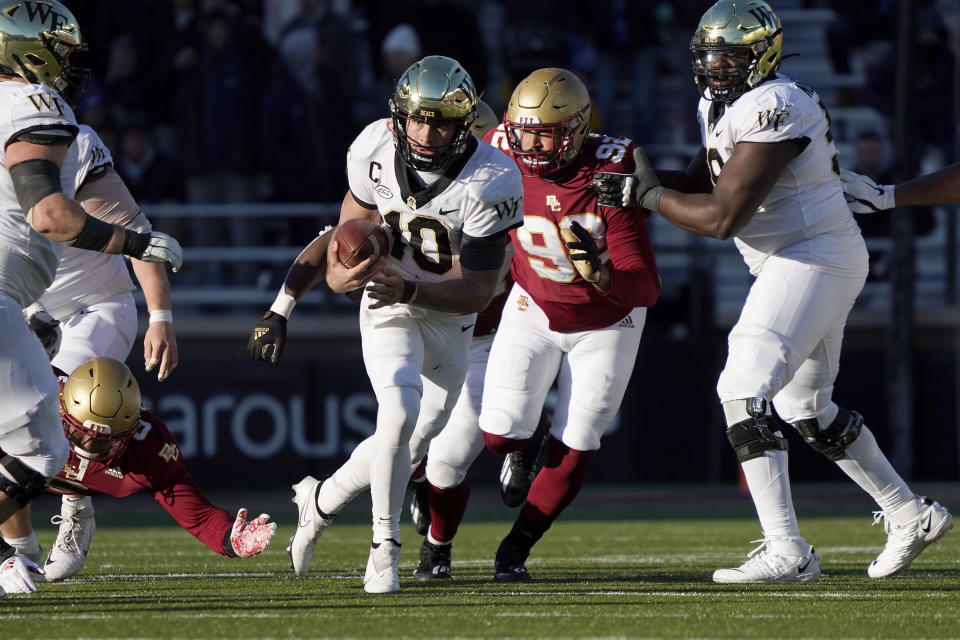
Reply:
x=119, y=448
x=584, y=276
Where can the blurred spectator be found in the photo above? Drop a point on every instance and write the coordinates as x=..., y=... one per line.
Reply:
x=150, y=174
x=536, y=34
x=874, y=159
x=400, y=48
x=445, y=27
x=344, y=55
x=304, y=131
x=930, y=103
x=856, y=23
x=217, y=71
x=624, y=37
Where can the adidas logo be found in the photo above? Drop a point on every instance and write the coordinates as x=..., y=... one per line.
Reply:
x=627, y=323
x=116, y=473
x=259, y=332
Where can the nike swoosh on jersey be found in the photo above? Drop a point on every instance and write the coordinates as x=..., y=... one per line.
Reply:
x=717, y=133
x=443, y=213
x=466, y=327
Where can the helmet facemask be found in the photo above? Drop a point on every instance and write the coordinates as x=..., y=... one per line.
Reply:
x=736, y=47
x=549, y=104
x=437, y=91
x=100, y=408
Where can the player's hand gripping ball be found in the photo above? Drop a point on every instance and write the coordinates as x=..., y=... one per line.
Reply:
x=358, y=239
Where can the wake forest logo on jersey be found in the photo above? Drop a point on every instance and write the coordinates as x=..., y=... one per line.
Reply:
x=45, y=102
x=771, y=118
x=508, y=208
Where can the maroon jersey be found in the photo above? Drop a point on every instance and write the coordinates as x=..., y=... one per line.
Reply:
x=541, y=263
x=151, y=462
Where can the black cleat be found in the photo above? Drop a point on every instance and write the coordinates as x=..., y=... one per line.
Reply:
x=521, y=467
x=434, y=562
x=509, y=563
x=420, y=507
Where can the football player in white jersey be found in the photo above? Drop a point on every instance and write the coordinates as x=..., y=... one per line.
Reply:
x=448, y=201
x=91, y=302
x=768, y=177
x=38, y=215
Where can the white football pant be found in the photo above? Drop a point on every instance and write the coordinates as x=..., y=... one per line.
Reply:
x=592, y=369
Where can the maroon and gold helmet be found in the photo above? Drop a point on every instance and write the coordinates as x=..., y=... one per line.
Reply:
x=100, y=407
x=551, y=101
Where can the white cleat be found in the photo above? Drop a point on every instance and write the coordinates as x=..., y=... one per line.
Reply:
x=383, y=575
x=905, y=542
x=69, y=551
x=764, y=565
x=309, y=525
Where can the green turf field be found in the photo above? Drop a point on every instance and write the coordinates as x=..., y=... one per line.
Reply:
x=628, y=566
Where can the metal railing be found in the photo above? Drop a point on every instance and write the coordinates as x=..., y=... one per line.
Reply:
x=221, y=275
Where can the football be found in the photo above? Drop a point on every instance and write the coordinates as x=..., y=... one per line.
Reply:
x=358, y=239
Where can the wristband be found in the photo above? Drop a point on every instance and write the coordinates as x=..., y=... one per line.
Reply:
x=161, y=315
x=284, y=304
x=134, y=244
x=409, y=290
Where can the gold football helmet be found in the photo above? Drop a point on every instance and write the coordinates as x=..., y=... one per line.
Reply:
x=100, y=406
x=552, y=103
x=437, y=90
x=486, y=119
x=37, y=39
x=737, y=45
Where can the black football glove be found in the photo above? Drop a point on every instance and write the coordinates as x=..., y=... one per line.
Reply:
x=629, y=190
x=268, y=338
x=45, y=327
x=583, y=252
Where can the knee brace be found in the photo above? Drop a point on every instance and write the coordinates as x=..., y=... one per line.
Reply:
x=834, y=440
x=751, y=437
x=26, y=484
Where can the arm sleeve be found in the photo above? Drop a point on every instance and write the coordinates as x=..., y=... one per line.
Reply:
x=634, y=279
x=166, y=475
x=189, y=506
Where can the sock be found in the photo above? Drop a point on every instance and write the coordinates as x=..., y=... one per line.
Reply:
x=390, y=461
x=347, y=482
x=869, y=468
x=27, y=546
x=557, y=484
x=769, y=482
x=447, y=507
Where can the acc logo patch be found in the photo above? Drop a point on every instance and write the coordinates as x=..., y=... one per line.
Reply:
x=384, y=191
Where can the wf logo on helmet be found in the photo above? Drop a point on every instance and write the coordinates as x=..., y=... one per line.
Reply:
x=43, y=10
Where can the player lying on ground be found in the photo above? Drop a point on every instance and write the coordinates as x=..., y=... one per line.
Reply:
x=119, y=448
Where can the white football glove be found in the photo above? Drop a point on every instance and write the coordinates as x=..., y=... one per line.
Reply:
x=864, y=195
x=250, y=538
x=45, y=327
x=16, y=575
x=163, y=248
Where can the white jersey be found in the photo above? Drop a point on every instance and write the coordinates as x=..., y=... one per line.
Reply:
x=481, y=195
x=807, y=199
x=28, y=260
x=86, y=277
